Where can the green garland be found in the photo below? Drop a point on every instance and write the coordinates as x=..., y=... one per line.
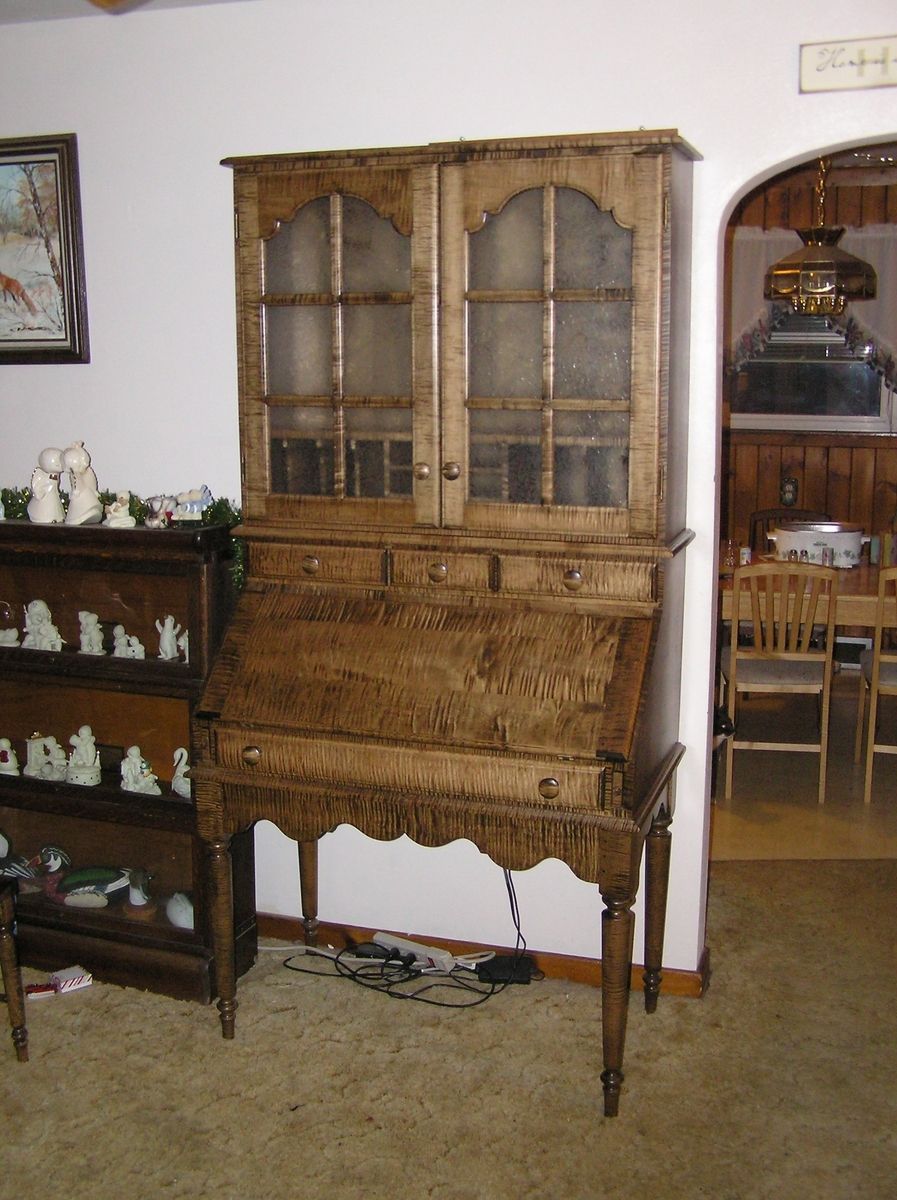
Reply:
x=219, y=512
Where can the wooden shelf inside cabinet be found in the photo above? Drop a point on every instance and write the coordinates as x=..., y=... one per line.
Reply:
x=140, y=912
x=104, y=802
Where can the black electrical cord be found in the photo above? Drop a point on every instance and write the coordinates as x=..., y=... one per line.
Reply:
x=388, y=975
x=388, y=972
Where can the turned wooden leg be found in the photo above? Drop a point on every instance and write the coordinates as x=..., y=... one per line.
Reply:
x=308, y=889
x=617, y=927
x=657, y=878
x=12, y=976
x=221, y=900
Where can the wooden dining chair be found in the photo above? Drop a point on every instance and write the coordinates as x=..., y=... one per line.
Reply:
x=791, y=640
x=9, y=967
x=766, y=519
x=878, y=673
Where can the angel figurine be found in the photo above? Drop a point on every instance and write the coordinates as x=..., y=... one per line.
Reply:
x=45, y=505
x=84, y=503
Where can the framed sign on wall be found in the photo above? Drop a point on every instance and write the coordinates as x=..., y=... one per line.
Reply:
x=43, y=306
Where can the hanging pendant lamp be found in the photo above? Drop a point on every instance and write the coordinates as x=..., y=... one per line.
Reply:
x=821, y=277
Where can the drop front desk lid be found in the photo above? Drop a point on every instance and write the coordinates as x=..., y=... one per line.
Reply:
x=524, y=682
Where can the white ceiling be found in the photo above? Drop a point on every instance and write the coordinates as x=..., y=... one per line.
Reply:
x=14, y=12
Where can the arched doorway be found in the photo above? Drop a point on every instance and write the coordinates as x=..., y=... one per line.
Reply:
x=847, y=468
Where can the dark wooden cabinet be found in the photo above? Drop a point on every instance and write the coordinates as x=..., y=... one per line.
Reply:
x=463, y=373
x=132, y=578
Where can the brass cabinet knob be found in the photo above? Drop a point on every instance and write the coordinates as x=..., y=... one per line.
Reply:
x=438, y=572
x=311, y=564
x=251, y=755
x=451, y=470
x=573, y=580
x=549, y=788
x=421, y=470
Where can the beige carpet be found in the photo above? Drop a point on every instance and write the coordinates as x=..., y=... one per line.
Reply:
x=779, y=1084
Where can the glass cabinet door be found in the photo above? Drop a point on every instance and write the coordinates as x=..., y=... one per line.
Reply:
x=551, y=275
x=344, y=349
x=469, y=343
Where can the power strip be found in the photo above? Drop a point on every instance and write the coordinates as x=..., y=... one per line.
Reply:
x=424, y=956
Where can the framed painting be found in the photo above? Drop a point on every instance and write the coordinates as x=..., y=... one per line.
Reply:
x=43, y=307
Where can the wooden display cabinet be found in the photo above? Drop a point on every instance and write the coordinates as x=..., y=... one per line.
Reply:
x=131, y=578
x=463, y=405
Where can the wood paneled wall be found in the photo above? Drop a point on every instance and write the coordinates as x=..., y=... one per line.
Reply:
x=793, y=206
x=851, y=477
x=854, y=196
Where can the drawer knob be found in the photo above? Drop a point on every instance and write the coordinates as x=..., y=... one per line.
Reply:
x=549, y=788
x=421, y=470
x=451, y=470
x=311, y=564
x=438, y=572
x=251, y=755
x=573, y=580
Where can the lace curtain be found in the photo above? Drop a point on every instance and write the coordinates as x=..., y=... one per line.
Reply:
x=755, y=250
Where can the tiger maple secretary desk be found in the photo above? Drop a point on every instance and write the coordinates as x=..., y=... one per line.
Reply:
x=463, y=408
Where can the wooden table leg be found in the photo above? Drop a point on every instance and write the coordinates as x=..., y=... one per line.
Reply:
x=617, y=928
x=308, y=889
x=221, y=899
x=12, y=976
x=657, y=878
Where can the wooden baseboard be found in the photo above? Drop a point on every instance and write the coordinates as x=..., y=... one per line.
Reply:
x=692, y=984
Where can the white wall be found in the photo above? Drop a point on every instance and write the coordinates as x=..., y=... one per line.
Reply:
x=157, y=98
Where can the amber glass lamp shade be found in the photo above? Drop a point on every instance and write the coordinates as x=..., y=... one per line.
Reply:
x=820, y=277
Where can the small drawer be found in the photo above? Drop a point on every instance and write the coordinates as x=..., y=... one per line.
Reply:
x=433, y=569
x=591, y=579
x=321, y=564
x=411, y=769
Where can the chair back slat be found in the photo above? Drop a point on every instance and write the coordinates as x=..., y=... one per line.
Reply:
x=788, y=602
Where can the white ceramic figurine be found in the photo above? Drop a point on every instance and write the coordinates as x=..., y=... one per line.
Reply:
x=45, y=505
x=84, y=503
x=91, y=633
x=84, y=761
x=118, y=513
x=136, y=775
x=40, y=632
x=168, y=637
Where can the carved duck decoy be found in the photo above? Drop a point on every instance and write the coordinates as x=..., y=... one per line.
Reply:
x=89, y=887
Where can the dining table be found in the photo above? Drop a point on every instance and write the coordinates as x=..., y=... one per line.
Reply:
x=855, y=604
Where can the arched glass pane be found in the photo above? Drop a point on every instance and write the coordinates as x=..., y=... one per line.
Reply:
x=297, y=256
x=593, y=251
x=506, y=254
x=376, y=258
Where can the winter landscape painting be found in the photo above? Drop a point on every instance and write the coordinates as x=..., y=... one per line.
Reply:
x=43, y=314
